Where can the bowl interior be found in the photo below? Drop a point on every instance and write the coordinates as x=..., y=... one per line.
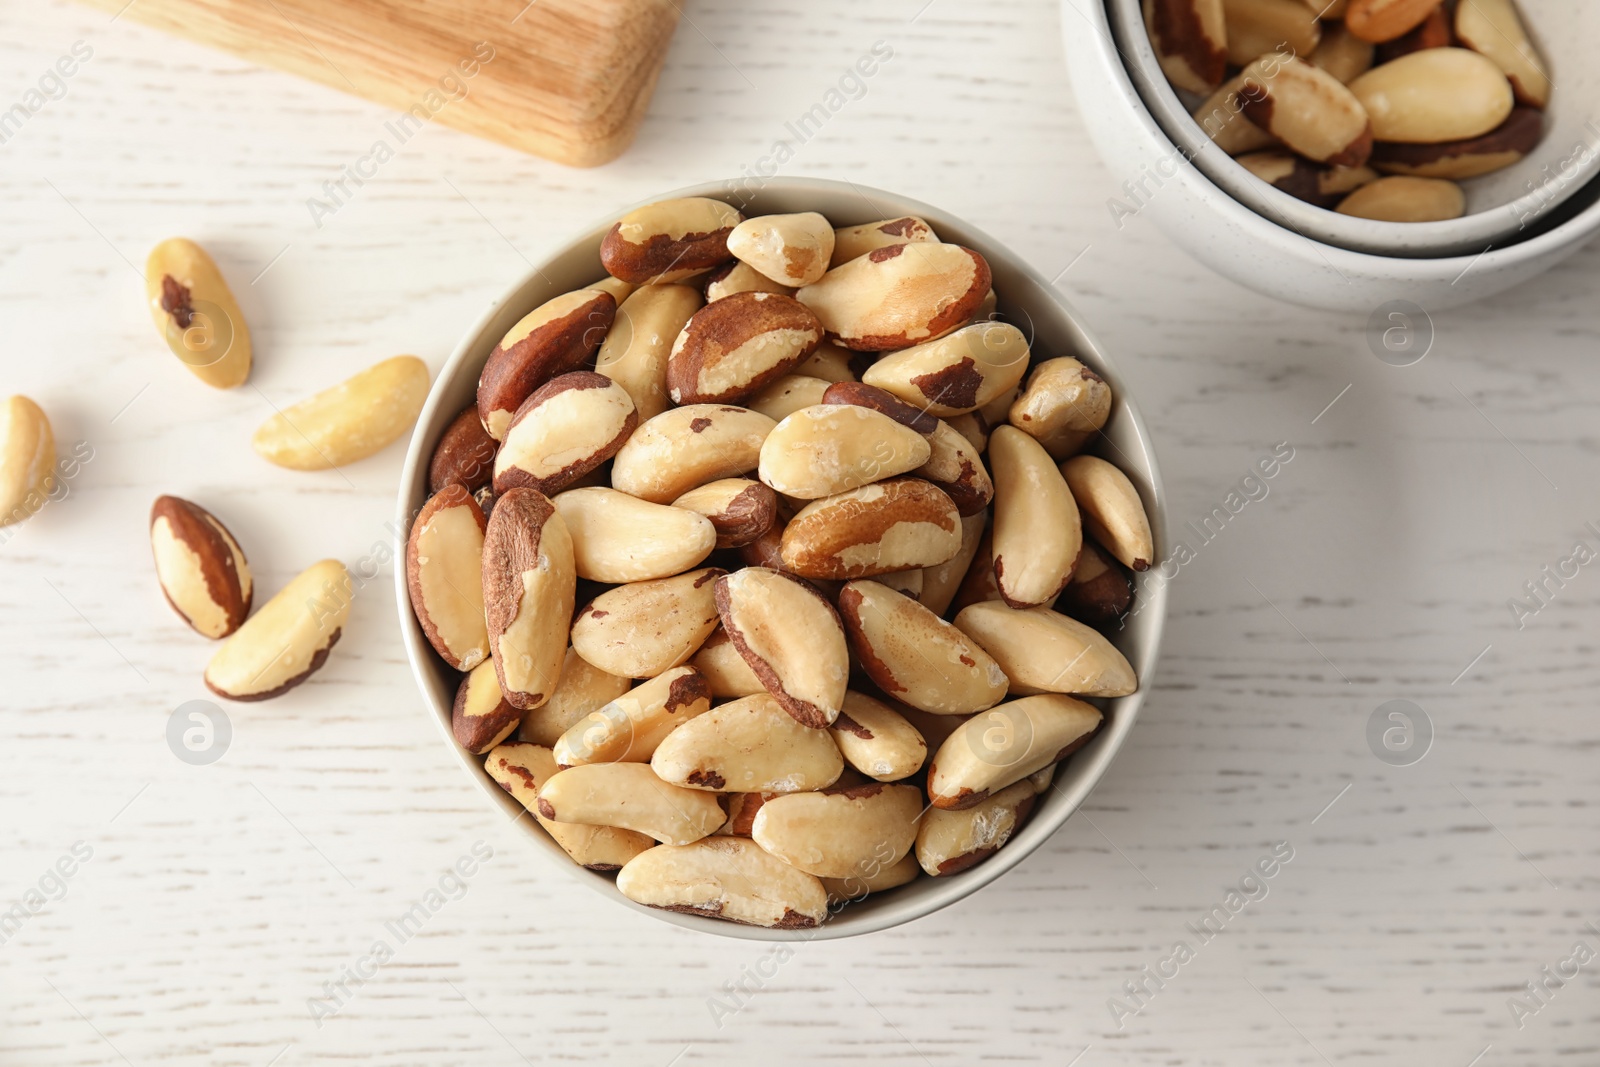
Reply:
x=1502, y=207
x=1027, y=300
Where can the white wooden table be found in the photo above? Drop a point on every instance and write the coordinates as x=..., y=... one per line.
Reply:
x=219, y=900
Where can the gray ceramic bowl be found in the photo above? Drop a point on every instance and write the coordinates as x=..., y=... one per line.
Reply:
x=1026, y=299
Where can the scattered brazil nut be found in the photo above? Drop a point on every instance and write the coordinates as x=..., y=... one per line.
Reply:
x=791, y=638
x=566, y=428
x=877, y=529
x=684, y=448
x=620, y=538
x=1307, y=109
x=481, y=717
x=444, y=573
x=1112, y=510
x=635, y=351
x=521, y=768
x=1434, y=96
x=641, y=629
x=850, y=242
x=841, y=832
x=1403, y=199
x=553, y=338
x=1037, y=530
x=583, y=688
x=287, y=640
x=898, y=295
x=957, y=373
x=196, y=313
x=528, y=590
x=877, y=740
x=669, y=240
x=1190, y=38
x=733, y=347
x=949, y=842
x=1044, y=651
x=200, y=566
x=882, y=401
x=464, y=454
x=750, y=745
x=27, y=459
x=915, y=656
x=739, y=509
x=357, y=418
x=832, y=448
x=629, y=727
x=629, y=795
x=793, y=249
x=728, y=878
x=1005, y=744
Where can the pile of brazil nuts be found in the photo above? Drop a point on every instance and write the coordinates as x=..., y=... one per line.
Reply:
x=792, y=597
x=1320, y=98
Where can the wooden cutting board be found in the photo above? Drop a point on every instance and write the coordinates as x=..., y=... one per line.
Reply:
x=565, y=79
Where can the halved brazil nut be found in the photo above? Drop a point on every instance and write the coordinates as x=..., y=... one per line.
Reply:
x=852, y=241
x=629, y=728
x=749, y=745
x=481, y=717
x=791, y=638
x=553, y=338
x=683, y=448
x=726, y=878
x=855, y=831
x=1043, y=651
x=1112, y=509
x=899, y=295
x=878, y=529
x=640, y=629
x=355, y=419
x=636, y=348
x=1037, y=530
x=521, y=768
x=1190, y=39
x=583, y=688
x=955, y=466
x=832, y=448
x=620, y=538
x=629, y=795
x=288, y=639
x=915, y=656
x=1307, y=109
x=1006, y=744
x=444, y=573
x=201, y=568
x=958, y=373
x=529, y=585
x=877, y=740
x=791, y=249
x=740, y=509
x=949, y=842
x=669, y=240
x=196, y=313
x=733, y=347
x=566, y=428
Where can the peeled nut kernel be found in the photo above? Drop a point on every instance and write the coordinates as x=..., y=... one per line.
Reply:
x=1342, y=54
x=669, y=240
x=196, y=313
x=1257, y=27
x=583, y=688
x=1403, y=199
x=1112, y=509
x=1221, y=116
x=200, y=566
x=791, y=249
x=737, y=277
x=735, y=346
x=528, y=589
x=787, y=395
x=726, y=878
x=1493, y=28
x=1501, y=147
x=1307, y=109
x=629, y=728
x=619, y=538
x=635, y=351
x=859, y=394
x=641, y=629
x=27, y=459
x=555, y=337
x=724, y=670
x=566, y=428
x=876, y=529
x=1005, y=744
x=940, y=581
x=748, y=746
x=287, y=640
x=832, y=448
x=740, y=509
x=1100, y=591
x=464, y=454
x=1384, y=20
x=877, y=740
x=1043, y=651
x=629, y=795
x=444, y=568
x=521, y=768
x=1190, y=40
x=830, y=362
x=481, y=717
x=898, y=295
x=855, y=831
x=1037, y=530
x=915, y=656
x=949, y=842
x=854, y=887
x=849, y=242
x=684, y=448
x=357, y=418
x=791, y=638
x=1438, y=95
x=958, y=373
x=1064, y=406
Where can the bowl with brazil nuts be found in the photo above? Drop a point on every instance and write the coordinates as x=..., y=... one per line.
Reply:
x=778, y=548
x=1396, y=127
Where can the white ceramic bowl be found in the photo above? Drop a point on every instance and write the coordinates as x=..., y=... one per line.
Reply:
x=1025, y=299
x=1258, y=253
x=1501, y=207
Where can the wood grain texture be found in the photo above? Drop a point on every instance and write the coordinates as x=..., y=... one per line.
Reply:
x=220, y=899
x=565, y=79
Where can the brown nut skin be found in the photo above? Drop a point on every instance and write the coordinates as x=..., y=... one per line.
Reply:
x=1190, y=41
x=1304, y=180
x=529, y=585
x=553, y=338
x=960, y=372
x=850, y=242
x=464, y=454
x=1307, y=109
x=733, y=347
x=899, y=295
x=581, y=417
x=200, y=567
x=669, y=240
x=887, y=526
x=1100, y=591
x=883, y=402
x=1501, y=147
x=740, y=509
x=955, y=467
x=481, y=717
x=444, y=555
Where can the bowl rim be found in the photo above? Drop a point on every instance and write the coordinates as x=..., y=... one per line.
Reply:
x=1465, y=236
x=941, y=892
